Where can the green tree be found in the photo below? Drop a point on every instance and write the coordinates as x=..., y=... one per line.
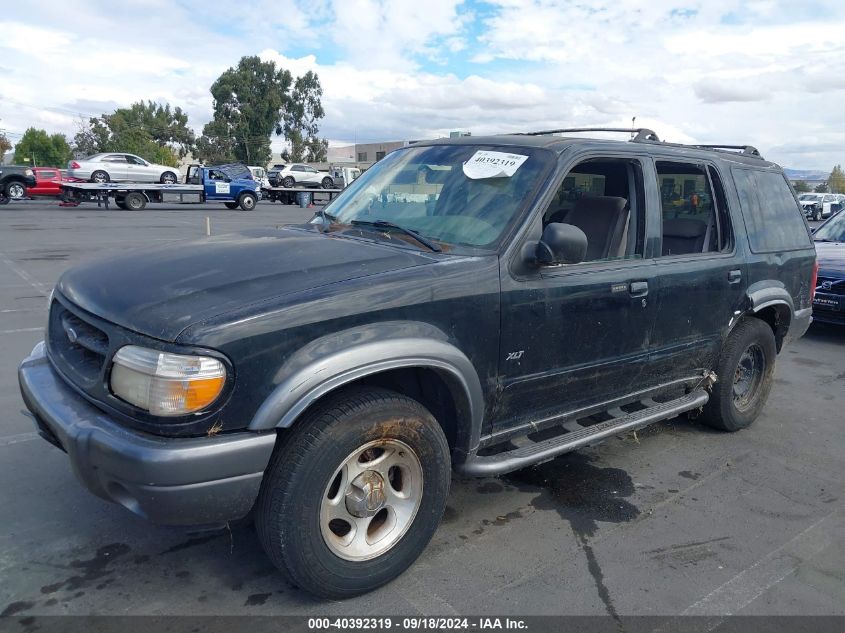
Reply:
x=836, y=180
x=250, y=101
x=821, y=188
x=5, y=145
x=153, y=131
x=215, y=146
x=801, y=187
x=42, y=149
x=300, y=123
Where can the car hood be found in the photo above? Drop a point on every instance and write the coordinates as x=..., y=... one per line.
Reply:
x=161, y=291
x=805, y=203
x=831, y=258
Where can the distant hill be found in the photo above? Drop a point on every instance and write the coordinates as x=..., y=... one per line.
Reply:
x=805, y=174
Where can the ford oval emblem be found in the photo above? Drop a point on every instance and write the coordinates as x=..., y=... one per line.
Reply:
x=72, y=336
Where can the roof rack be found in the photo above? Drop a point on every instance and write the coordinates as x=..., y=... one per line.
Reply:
x=645, y=135
x=743, y=149
x=641, y=133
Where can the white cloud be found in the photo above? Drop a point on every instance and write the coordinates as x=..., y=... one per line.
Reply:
x=766, y=72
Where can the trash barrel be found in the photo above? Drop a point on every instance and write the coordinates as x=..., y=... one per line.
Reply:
x=304, y=198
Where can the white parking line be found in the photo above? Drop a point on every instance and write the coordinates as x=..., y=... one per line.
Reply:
x=23, y=329
x=17, y=439
x=20, y=272
x=748, y=585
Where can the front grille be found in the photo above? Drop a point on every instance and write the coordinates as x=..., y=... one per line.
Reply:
x=79, y=346
x=831, y=285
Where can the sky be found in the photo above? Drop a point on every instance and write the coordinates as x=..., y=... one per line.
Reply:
x=764, y=72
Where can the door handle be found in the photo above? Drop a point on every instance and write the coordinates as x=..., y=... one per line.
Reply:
x=734, y=276
x=638, y=288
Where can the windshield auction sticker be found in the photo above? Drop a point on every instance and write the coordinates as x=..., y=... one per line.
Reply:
x=485, y=164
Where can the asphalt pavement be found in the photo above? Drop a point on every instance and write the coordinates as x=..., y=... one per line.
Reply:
x=676, y=519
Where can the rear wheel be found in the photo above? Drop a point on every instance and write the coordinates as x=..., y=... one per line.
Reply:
x=354, y=494
x=288, y=182
x=168, y=178
x=15, y=191
x=135, y=201
x=744, y=376
x=247, y=201
x=231, y=205
x=100, y=176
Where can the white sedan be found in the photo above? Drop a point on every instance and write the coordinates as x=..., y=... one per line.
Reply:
x=116, y=167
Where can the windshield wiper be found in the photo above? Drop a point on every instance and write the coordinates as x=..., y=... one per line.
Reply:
x=384, y=223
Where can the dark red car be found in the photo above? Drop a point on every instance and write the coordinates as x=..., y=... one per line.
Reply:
x=48, y=182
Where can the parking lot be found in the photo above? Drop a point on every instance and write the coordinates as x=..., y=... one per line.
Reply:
x=677, y=519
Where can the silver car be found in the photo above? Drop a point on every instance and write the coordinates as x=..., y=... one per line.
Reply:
x=115, y=167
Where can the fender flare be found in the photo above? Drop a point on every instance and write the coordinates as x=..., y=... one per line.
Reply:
x=340, y=358
x=768, y=293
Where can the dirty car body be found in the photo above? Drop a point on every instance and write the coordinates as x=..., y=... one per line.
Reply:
x=435, y=283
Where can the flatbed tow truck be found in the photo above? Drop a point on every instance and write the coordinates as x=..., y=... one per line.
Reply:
x=230, y=184
x=287, y=195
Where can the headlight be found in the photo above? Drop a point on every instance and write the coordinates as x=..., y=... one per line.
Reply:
x=29, y=172
x=166, y=384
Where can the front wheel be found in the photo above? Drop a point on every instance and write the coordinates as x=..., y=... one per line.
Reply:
x=328, y=183
x=817, y=215
x=354, y=494
x=15, y=191
x=744, y=376
x=247, y=201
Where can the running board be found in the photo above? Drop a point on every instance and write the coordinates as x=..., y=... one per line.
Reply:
x=529, y=453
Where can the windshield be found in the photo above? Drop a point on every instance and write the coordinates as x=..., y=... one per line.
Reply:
x=457, y=194
x=833, y=230
x=809, y=196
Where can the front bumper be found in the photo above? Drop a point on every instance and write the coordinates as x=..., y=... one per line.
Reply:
x=192, y=481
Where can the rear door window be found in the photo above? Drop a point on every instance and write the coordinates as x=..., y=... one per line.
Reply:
x=773, y=219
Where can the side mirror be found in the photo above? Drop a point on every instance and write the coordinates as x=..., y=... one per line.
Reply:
x=561, y=244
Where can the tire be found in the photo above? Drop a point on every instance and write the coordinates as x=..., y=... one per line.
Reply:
x=247, y=201
x=231, y=205
x=121, y=205
x=15, y=191
x=294, y=506
x=328, y=183
x=135, y=201
x=817, y=215
x=100, y=176
x=288, y=182
x=168, y=178
x=744, y=376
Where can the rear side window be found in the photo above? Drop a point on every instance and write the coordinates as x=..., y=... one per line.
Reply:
x=772, y=217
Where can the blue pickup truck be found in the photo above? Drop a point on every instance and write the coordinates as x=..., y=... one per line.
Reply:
x=232, y=184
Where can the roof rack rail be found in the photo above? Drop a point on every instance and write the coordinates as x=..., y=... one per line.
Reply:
x=641, y=133
x=743, y=149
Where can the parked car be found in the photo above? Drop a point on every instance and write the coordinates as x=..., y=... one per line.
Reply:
x=829, y=301
x=299, y=174
x=117, y=167
x=817, y=206
x=452, y=309
x=259, y=175
x=48, y=182
x=14, y=180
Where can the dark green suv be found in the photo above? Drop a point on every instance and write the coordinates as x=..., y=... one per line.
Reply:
x=476, y=304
